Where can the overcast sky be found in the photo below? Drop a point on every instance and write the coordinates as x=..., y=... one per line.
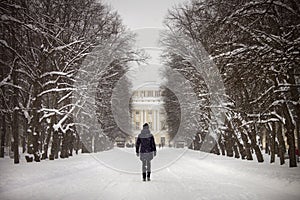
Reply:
x=143, y=13
x=145, y=17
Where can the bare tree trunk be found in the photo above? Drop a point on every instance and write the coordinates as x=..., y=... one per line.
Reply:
x=246, y=144
x=71, y=144
x=298, y=139
x=239, y=148
x=290, y=134
x=15, y=130
x=242, y=151
x=46, y=145
x=54, y=146
x=221, y=144
x=252, y=136
x=36, y=136
x=272, y=142
x=3, y=134
x=229, y=143
x=15, y=125
x=197, y=142
x=290, y=127
x=236, y=151
x=281, y=144
x=3, y=121
x=77, y=143
x=267, y=148
x=8, y=134
x=216, y=150
x=23, y=143
x=65, y=147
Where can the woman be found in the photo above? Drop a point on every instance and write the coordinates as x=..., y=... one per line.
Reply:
x=146, y=150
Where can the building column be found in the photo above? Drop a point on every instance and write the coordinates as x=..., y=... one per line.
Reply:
x=158, y=120
x=141, y=118
x=157, y=125
x=134, y=119
x=154, y=120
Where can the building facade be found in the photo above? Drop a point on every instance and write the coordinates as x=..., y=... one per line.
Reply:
x=147, y=107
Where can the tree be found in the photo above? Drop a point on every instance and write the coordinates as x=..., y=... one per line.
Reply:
x=45, y=45
x=253, y=46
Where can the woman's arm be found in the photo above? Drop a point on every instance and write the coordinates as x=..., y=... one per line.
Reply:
x=137, y=145
x=153, y=145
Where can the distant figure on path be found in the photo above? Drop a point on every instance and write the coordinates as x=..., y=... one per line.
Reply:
x=146, y=150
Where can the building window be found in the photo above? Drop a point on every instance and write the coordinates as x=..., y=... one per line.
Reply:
x=150, y=93
x=137, y=125
x=157, y=93
x=150, y=112
x=137, y=112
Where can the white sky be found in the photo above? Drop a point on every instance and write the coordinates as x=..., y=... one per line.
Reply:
x=145, y=17
x=143, y=13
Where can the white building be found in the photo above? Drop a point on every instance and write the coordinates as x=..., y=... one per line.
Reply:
x=147, y=107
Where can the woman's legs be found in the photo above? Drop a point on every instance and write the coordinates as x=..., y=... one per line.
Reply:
x=144, y=169
x=148, y=163
x=144, y=166
x=148, y=169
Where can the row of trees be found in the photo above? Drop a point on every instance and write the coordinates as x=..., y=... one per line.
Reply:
x=255, y=47
x=55, y=56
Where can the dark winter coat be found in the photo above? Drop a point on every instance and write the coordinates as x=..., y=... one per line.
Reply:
x=145, y=144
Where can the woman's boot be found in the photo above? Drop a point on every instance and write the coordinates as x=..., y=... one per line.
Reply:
x=148, y=176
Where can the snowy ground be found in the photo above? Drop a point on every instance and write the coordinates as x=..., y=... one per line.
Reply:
x=113, y=175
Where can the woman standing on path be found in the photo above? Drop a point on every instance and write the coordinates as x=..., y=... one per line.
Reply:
x=146, y=150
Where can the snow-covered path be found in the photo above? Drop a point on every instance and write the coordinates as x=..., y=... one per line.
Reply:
x=194, y=175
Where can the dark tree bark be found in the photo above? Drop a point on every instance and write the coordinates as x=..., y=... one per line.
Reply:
x=71, y=144
x=215, y=150
x=290, y=134
x=196, y=142
x=298, y=140
x=229, y=143
x=46, y=145
x=66, y=143
x=240, y=147
x=3, y=133
x=3, y=122
x=272, y=142
x=23, y=143
x=77, y=143
x=247, y=146
x=242, y=151
x=281, y=144
x=252, y=136
x=221, y=144
x=15, y=125
x=295, y=94
x=236, y=151
x=54, y=146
